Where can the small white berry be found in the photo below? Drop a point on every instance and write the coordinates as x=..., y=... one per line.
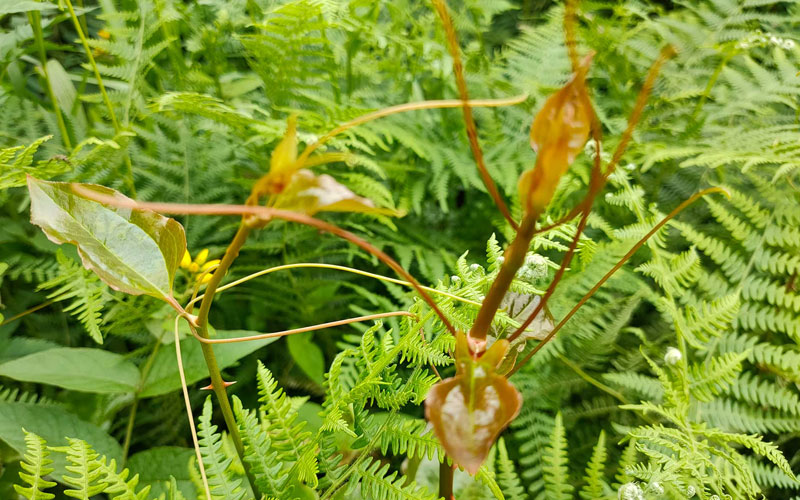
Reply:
x=500, y=260
x=455, y=279
x=474, y=267
x=690, y=491
x=672, y=356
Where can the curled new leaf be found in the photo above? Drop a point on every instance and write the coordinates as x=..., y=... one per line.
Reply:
x=309, y=193
x=135, y=251
x=558, y=134
x=468, y=411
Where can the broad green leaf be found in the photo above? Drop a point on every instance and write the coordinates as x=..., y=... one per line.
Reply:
x=54, y=425
x=134, y=251
x=156, y=465
x=164, y=378
x=78, y=369
x=16, y=347
x=18, y=6
x=308, y=356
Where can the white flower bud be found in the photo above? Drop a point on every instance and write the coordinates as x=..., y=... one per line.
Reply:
x=629, y=491
x=690, y=491
x=474, y=267
x=500, y=260
x=656, y=488
x=455, y=279
x=672, y=356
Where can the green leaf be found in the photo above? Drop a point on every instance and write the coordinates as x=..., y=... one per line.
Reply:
x=52, y=424
x=156, y=466
x=78, y=369
x=308, y=356
x=18, y=6
x=134, y=251
x=164, y=378
x=16, y=347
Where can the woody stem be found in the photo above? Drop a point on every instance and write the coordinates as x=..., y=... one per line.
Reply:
x=200, y=328
x=514, y=258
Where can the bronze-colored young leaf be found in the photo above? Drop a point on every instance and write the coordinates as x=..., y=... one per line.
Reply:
x=309, y=193
x=468, y=411
x=558, y=134
x=134, y=251
x=284, y=157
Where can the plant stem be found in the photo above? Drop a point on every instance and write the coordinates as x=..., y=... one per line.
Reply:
x=446, y=476
x=132, y=417
x=338, y=268
x=261, y=216
x=201, y=329
x=469, y=120
x=106, y=100
x=613, y=270
x=35, y=18
x=514, y=259
x=304, y=329
x=402, y=108
x=27, y=312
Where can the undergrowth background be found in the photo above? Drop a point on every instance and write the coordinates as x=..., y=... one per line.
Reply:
x=201, y=92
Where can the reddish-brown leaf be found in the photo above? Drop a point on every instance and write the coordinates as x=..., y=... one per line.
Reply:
x=468, y=411
x=558, y=134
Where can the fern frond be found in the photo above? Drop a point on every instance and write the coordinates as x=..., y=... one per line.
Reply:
x=88, y=475
x=270, y=476
x=595, y=487
x=710, y=379
x=35, y=466
x=556, y=470
x=507, y=476
x=88, y=295
x=376, y=481
x=220, y=480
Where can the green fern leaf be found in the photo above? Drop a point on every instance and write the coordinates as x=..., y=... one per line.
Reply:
x=35, y=466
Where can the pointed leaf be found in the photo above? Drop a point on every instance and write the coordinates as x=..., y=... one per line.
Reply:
x=134, y=251
x=558, y=134
x=470, y=410
x=78, y=369
x=309, y=194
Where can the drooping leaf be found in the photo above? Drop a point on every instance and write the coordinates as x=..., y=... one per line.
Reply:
x=53, y=424
x=468, y=411
x=134, y=251
x=309, y=193
x=558, y=134
x=78, y=369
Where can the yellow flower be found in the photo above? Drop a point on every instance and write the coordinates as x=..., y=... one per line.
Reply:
x=199, y=267
x=186, y=261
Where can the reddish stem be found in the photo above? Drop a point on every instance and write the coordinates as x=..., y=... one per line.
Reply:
x=264, y=214
x=469, y=120
x=613, y=270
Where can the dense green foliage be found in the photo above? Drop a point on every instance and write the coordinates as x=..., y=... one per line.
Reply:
x=679, y=379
